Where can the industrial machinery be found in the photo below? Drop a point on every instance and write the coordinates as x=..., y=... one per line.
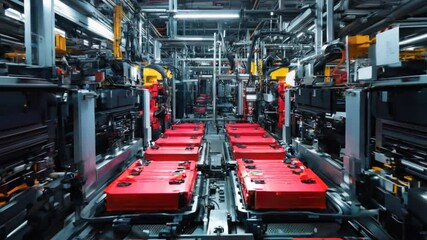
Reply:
x=213, y=119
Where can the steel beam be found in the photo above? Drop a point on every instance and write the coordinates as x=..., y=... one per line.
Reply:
x=319, y=26
x=39, y=32
x=330, y=34
x=214, y=79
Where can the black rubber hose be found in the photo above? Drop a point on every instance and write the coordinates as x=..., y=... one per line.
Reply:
x=267, y=62
x=230, y=58
x=285, y=63
x=254, y=39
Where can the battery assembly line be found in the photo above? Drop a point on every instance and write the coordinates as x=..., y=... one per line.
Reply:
x=213, y=119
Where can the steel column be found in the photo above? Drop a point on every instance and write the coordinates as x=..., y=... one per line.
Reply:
x=39, y=32
x=84, y=137
x=355, y=140
x=146, y=117
x=175, y=64
x=214, y=80
x=330, y=34
x=286, y=134
x=319, y=26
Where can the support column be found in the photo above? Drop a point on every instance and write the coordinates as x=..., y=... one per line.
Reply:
x=319, y=26
x=39, y=32
x=286, y=134
x=280, y=16
x=175, y=64
x=355, y=140
x=330, y=35
x=214, y=80
x=172, y=26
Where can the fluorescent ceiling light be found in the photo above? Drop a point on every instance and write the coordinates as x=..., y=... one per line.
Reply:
x=413, y=39
x=207, y=15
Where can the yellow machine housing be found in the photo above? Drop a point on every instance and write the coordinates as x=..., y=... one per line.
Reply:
x=150, y=76
x=358, y=46
x=418, y=54
x=60, y=44
x=279, y=74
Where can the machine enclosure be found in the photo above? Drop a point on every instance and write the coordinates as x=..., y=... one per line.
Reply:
x=188, y=125
x=179, y=141
x=272, y=151
x=252, y=140
x=273, y=184
x=157, y=187
x=176, y=153
x=185, y=132
x=245, y=131
x=242, y=125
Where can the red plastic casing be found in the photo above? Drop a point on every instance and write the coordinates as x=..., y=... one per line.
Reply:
x=245, y=131
x=252, y=140
x=184, y=132
x=272, y=151
x=165, y=140
x=241, y=125
x=282, y=191
x=188, y=125
x=176, y=153
x=153, y=189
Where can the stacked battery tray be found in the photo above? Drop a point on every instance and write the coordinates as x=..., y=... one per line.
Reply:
x=268, y=179
x=164, y=180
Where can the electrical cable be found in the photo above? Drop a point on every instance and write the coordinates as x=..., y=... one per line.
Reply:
x=216, y=203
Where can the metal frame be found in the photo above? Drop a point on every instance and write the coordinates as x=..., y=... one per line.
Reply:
x=39, y=32
x=146, y=118
x=84, y=137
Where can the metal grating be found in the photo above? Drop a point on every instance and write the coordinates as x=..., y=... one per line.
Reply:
x=303, y=229
x=153, y=229
x=189, y=230
x=292, y=229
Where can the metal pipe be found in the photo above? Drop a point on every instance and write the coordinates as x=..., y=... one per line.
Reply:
x=330, y=36
x=319, y=26
x=214, y=80
x=370, y=23
x=175, y=63
x=401, y=11
x=219, y=58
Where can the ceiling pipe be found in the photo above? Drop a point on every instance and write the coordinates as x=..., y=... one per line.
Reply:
x=401, y=11
x=377, y=21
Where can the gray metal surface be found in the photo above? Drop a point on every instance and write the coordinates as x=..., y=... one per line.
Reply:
x=218, y=222
x=214, y=78
x=84, y=137
x=302, y=229
x=146, y=118
x=387, y=47
x=287, y=136
x=355, y=136
x=109, y=166
x=330, y=34
x=318, y=34
x=320, y=163
x=401, y=81
x=39, y=32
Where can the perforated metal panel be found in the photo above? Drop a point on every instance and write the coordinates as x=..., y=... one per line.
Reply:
x=292, y=229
